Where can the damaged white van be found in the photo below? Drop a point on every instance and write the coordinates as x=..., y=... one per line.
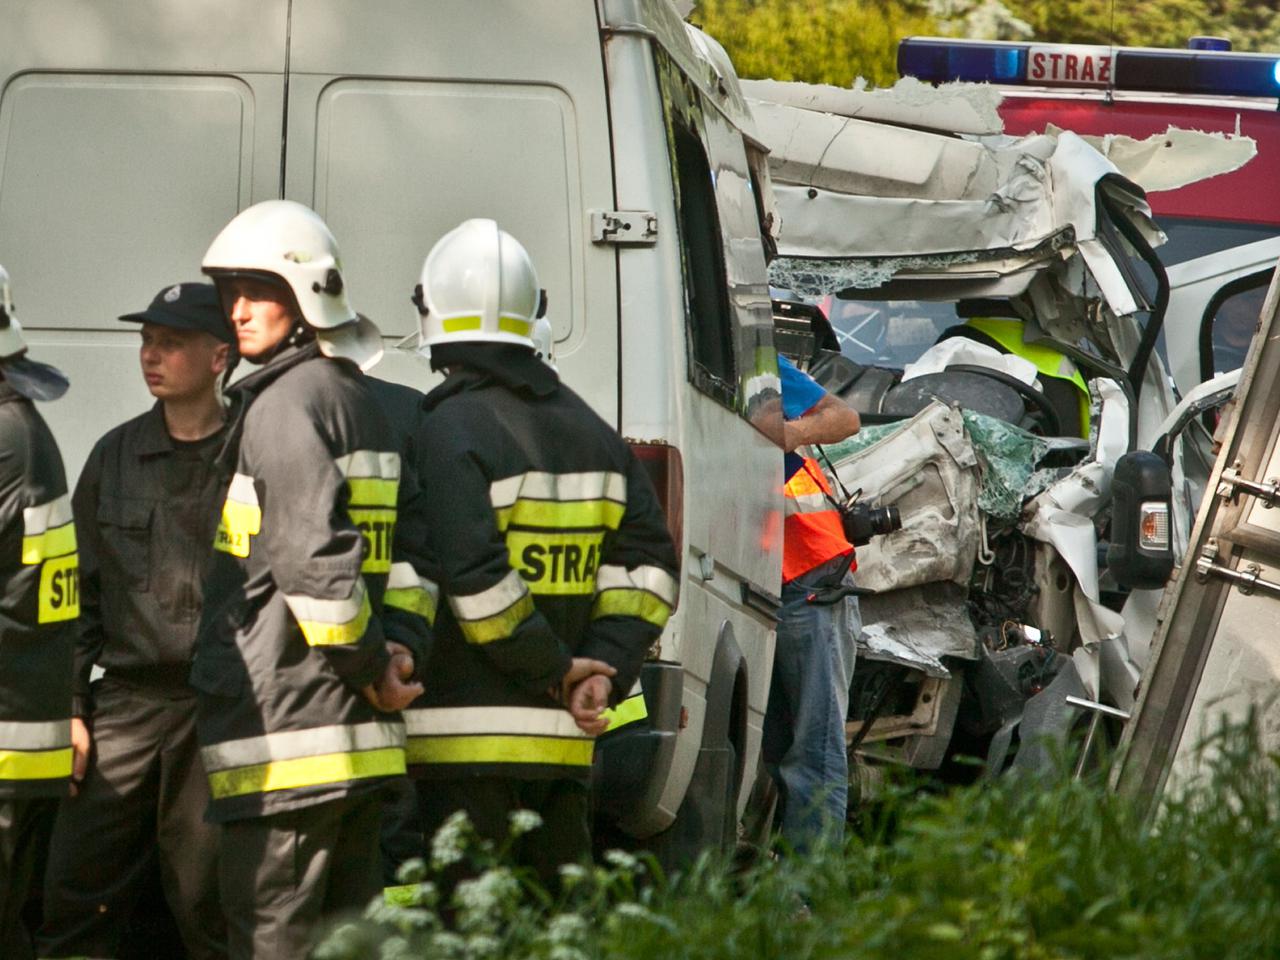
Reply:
x=992, y=308
x=610, y=137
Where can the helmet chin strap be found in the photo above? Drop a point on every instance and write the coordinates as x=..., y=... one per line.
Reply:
x=301, y=333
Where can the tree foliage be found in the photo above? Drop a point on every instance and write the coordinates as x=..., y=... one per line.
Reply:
x=836, y=41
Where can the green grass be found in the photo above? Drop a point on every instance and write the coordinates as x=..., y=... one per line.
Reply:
x=993, y=871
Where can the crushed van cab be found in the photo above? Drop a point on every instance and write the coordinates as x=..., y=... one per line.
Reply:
x=992, y=306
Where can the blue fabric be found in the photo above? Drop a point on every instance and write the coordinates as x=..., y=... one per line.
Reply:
x=804, y=744
x=800, y=392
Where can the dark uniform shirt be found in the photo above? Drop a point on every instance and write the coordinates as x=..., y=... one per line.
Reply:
x=39, y=601
x=549, y=543
x=293, y=622
x=146, y=508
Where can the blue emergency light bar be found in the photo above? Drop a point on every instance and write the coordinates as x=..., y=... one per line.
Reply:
x=1204, y=72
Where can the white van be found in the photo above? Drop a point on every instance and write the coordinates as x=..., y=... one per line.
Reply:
x=608, y=136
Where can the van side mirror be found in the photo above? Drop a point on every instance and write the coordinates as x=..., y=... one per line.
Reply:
x=1140, y=555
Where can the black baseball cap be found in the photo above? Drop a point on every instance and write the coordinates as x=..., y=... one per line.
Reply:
x=187, y=306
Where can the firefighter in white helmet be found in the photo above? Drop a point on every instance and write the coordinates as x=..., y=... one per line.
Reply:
x=39, y=602
x=299, y=667
x=554, y=560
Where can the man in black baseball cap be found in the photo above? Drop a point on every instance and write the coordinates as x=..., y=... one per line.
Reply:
x=146, y=509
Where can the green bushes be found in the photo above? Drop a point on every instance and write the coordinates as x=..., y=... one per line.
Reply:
x=994, y=871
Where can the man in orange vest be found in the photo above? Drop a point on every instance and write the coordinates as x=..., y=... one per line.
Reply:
x=804, y=745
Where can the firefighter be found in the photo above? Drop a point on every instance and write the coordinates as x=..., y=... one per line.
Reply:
x=39, y=602
x=299, y=668
x=146, y=507
x=553, y=554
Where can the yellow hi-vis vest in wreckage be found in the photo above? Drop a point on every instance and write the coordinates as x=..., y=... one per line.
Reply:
x=39, y=603
x=294, y=621
x=1049, y=363
x=550, y=543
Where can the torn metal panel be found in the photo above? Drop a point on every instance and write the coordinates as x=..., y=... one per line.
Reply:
x=929, y=471
x=1062, y=516
x=863, y=158
x=1175, y=158
x=917, y=627
x=949, y=108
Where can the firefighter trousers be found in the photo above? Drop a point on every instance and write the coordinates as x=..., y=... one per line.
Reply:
x=142, y=800
x=283, y=875
x=20, y=838
x=564, y=837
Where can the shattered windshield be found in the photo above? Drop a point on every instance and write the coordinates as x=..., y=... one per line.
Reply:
x=888, y=333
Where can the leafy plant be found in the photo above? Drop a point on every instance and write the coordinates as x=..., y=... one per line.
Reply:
x=1002, y=870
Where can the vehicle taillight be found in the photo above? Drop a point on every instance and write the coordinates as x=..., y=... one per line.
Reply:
x=1153, y=525
x=666, y=469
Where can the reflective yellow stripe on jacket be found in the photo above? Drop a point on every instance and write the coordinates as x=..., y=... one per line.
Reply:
x=241, y=519
x=631, y=710
x=646, y=592
x=49, y=541
x=326, y=623
x=373, y=482
x=493, y=614
x=408, y=591
x=496, y=735
x=35, y=750
x=304, y=758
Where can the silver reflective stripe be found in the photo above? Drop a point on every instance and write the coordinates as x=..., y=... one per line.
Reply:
x=404, y=577
x=482, y=721
x=653, y=580
x=491, y=602
x=316, y=610
x=809, y=503
x=49, y=735
x=560, y=487
x=242, y=490
x=370, y=463
x=47, y=516
x=290, y=745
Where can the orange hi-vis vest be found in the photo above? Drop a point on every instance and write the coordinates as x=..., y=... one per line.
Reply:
x=812, y=531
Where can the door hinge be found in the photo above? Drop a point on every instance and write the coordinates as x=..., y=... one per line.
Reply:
x=624, y=226
x=1248, y=578
x=1231, y=485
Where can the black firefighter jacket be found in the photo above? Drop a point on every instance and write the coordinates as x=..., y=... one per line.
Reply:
x=550, y=543
x=294, y=623
x=146, y=509
x=39, y=601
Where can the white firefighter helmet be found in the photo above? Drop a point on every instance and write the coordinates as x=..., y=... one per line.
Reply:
x=31, y=378
x=544, y=342
x=285, y=242
x=11, y=342
x=478, y=285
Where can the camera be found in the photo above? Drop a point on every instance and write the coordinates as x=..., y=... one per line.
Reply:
x=862, y=521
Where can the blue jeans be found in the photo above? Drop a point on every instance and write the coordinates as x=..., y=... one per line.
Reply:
x=804, y=745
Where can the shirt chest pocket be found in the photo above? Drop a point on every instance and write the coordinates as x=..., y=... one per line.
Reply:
x=125, y=544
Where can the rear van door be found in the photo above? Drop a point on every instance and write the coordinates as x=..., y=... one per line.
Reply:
x=131, y=131
x=424, y=117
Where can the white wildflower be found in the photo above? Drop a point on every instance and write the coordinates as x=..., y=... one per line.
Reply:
x=483, y=945
x=572, y=874
x=449, y=845
x=622, y=860
x=634, y=911
x=486, y=893
x=524, y=821
x=446, y=944
x=567, y=928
